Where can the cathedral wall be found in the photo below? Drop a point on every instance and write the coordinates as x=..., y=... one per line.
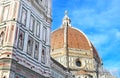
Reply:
x=78, y=60
x=18, y=71
x=5, y=65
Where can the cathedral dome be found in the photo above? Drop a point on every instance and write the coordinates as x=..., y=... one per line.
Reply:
x=75, y=39
x=67, y=35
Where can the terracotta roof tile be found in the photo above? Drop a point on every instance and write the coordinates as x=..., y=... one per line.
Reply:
x=76, y=39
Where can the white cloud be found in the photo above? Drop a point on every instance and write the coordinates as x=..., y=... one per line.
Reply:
x=98, y=39
x=90, y=17
x=118, y=35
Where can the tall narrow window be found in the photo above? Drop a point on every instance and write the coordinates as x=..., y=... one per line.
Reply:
x=1, y=38
x=43, y=56
x=29, y=46
x=32, y=23
x=44, y=33
x=46, y=5
x=24, y=16
x=5, y=13
x=36, y=51
x=21, y=40
x=38, y=29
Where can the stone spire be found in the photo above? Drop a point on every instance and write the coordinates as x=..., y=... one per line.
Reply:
x=66, y=20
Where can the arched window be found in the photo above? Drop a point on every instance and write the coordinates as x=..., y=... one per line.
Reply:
x=24, y=16
x=29, y=46
x=43, y=55
x=44, y=33
x=38, y=29
x=32, y=23
x=36, y=52
x=5, y=13
x=21, y=40
x=2, y=38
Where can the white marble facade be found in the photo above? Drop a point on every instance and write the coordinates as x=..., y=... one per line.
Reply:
x=25, y=38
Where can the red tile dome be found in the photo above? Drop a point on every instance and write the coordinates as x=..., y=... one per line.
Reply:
x=75, y=39
x=69, y=37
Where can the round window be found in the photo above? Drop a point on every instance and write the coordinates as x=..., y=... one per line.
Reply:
x=78, y=63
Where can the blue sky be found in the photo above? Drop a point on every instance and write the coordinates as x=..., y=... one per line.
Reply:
x=99, y=20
